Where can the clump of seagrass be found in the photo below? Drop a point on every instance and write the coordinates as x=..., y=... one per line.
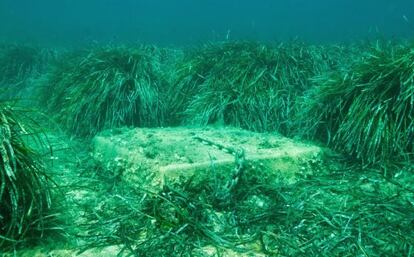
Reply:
x=24, y=185
x=19, y=64
x=244, y=84
x=368, y=111
x=105, y=88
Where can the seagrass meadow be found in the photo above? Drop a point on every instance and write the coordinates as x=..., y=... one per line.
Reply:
x=233, y=148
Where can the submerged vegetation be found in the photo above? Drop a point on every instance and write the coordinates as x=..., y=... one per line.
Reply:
x=367, y=111
x=355, y=99
x=25, y=188
x=245, y=84
x=107, y=87
x=331, y=211
x=18, y=63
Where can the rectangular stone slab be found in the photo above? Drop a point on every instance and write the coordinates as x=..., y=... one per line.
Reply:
x=184, y=151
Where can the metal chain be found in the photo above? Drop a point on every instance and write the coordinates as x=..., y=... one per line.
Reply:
x=239, y=160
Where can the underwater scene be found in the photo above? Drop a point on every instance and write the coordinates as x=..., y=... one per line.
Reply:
x=206, y=128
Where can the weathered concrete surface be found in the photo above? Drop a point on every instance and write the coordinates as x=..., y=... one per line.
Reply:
x=172, y=152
